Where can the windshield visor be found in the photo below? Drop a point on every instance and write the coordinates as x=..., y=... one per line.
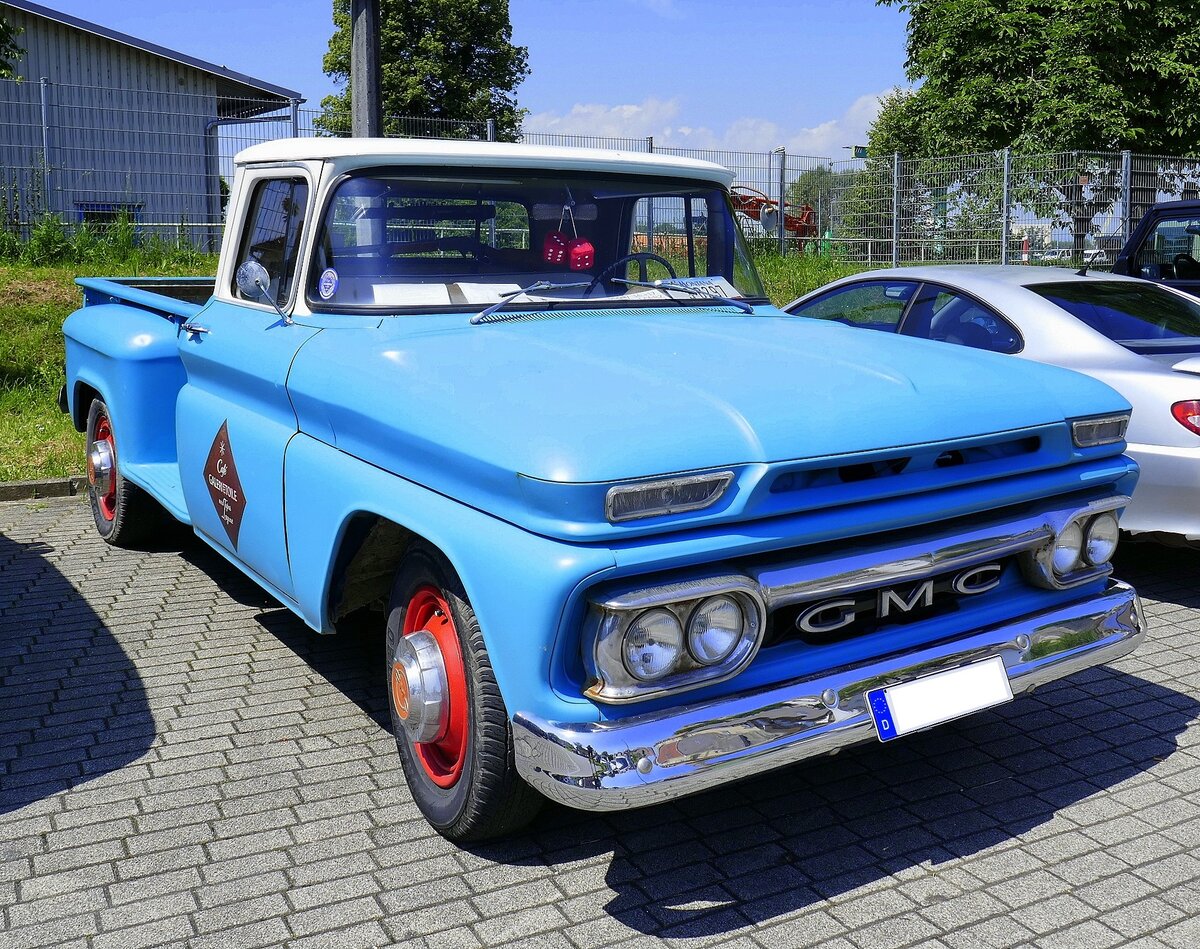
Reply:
x=415, y=240
x=1139, y=315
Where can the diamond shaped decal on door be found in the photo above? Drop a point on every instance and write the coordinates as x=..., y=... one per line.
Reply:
x=224, y=485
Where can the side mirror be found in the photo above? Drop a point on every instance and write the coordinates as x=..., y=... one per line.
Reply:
x=768, y=217
x=252, y=279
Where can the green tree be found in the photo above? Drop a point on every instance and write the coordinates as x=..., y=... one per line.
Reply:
x=10, y=52
x=1038, y=76
x=440, y=59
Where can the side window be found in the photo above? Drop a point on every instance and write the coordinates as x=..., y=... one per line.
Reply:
x=877, y=305
x=1170, y=236
x=950, y=317
x=272, y=232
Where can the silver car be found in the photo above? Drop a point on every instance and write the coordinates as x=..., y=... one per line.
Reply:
x=1141, y=338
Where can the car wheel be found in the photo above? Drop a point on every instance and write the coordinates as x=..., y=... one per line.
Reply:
x=448, y=717
x=125, y=515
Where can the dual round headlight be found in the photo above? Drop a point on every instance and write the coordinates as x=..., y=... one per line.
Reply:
x=656, y=643
x=1090, y=545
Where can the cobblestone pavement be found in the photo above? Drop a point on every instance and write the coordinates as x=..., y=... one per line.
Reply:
x=183, y=763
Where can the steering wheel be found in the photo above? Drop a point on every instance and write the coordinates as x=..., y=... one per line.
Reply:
x=642, y=257
x=1191, y=265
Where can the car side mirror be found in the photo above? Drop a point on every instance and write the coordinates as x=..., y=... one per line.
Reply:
x=253, y=280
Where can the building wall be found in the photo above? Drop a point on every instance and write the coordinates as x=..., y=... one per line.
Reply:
x=124, y=129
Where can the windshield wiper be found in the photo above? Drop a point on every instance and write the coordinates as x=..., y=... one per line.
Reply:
x=508, y=298
x=685, y=288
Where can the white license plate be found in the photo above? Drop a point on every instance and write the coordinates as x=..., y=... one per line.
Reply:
x=909, y=707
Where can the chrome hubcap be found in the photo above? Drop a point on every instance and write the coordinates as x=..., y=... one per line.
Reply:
x=419, y=686
x=100, y=467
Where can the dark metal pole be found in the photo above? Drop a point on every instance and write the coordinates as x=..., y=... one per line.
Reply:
x=366, y=100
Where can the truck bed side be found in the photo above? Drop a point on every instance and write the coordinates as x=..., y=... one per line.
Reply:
x=121, y=346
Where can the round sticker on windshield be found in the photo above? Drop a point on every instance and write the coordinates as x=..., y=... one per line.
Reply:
x=328, y=283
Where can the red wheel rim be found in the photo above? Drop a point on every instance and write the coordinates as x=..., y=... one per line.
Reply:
x=107, y=503
x=443, y=757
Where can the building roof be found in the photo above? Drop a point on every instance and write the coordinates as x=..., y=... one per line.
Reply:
x=354, y=152
x=233, y=83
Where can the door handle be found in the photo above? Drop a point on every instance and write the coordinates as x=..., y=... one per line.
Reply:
x=194, y=329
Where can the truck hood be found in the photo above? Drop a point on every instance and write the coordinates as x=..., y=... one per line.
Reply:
x=613, y=395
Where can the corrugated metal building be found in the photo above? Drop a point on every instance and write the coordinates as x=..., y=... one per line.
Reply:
x=101, y=123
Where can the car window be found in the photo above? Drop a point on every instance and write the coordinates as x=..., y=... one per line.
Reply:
x=272, y=233
x=1170, y=238
x=1141, y=316
x=948, y=316
x=418, y=239
x=877, y=304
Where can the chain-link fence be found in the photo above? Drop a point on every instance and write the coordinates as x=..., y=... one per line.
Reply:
x=165, y=162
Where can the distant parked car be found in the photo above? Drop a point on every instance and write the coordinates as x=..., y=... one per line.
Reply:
x=1165, y=246
x=1141, y=338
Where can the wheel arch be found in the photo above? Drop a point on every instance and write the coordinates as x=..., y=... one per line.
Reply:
x=349, y=523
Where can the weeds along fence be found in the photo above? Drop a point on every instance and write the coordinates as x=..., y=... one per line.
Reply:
x=163, y=162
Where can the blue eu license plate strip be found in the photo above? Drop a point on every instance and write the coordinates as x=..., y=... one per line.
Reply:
x=913, y=706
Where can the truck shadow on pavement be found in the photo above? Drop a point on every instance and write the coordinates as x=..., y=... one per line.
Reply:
x=767, y=847
x=73, y=705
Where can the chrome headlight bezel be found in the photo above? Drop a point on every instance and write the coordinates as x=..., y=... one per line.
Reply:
x=1038, y=565
x=609, y=678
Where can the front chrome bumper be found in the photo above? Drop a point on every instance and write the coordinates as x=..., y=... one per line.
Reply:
x=658, y=756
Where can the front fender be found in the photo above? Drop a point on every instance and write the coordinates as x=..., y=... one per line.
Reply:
x=520, y=584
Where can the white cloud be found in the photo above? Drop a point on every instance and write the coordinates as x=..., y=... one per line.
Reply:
x=661, y=118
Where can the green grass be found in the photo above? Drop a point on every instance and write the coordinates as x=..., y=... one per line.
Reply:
x=40, y=442
x=786, y=278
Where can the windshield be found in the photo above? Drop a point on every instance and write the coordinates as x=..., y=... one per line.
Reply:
x=1140, y=315
x=412, y=240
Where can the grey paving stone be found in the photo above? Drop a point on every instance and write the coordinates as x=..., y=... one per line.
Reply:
x=234, y=788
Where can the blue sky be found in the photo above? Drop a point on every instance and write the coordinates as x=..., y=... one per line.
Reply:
x=702, y=73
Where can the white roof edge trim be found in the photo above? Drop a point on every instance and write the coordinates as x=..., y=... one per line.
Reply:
x=350, y=153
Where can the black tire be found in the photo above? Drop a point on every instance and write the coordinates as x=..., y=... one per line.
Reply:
x=127, y=516
x=489, y=799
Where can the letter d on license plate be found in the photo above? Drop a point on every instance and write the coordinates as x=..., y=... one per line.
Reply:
x=911, y=706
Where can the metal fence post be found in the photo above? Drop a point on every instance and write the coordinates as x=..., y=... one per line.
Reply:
x=895, y=209
x=650, y=206
x=1126, y=194
x=295, y=117
x=1004, y=207
x=491, y=130
x=781, y=151
x=45, y=91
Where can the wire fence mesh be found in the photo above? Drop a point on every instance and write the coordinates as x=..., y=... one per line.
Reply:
x=165, y=161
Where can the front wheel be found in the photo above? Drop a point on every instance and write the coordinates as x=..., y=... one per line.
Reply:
x=448, y=717
x=125, y=515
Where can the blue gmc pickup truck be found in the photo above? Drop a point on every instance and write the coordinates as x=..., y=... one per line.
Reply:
x=632, y=531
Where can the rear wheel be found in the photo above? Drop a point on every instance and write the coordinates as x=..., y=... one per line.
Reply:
x=449, y=720
x=125, y=515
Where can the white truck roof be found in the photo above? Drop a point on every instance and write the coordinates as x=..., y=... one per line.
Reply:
x=350, y=153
